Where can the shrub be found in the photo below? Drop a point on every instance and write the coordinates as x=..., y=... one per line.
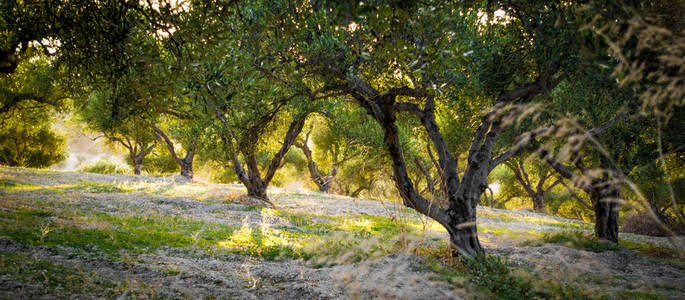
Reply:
x=27, y=140
x=160, y=163
x=103, y=167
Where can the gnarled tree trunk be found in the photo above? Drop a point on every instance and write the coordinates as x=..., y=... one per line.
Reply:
x=459, y=217
x=604, y=195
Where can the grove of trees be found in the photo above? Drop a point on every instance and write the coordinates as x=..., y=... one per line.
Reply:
x=573, y=107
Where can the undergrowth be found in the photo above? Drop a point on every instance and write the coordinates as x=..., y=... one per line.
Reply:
x=491, y=277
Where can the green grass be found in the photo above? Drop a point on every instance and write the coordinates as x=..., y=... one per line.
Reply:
x=53, y=278
x=111, y=234
x=14, y=185
x=321, y=240
x=510, y=233
x=90, y=187
x=651, y=250
x=585, y=241
x=93, y=234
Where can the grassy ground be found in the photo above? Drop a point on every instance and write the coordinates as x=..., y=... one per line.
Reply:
x=89, y=235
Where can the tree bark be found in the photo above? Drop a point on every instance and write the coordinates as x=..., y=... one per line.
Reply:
x=137, y=167
x=539, y=203
x=252, y=179
x=187, y=166
x=605, y=196
x=460, y=218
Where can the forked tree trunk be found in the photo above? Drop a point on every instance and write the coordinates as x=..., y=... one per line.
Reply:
x=186, y=164
x=460, y=218
x=137, y=160
x=323, y=182
x=604, y=195
x=256, y=188
x=253, y=181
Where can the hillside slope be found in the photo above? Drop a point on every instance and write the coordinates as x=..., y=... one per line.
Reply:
x=66, y=234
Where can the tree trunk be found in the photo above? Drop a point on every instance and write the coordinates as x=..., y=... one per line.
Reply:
x=460, y=218
x=323, y=182
x=137, y=167
x=187, y=168
x=539, y=203
x=464, y=237
x=256, y=188
x=606, y=206
x=187, y=164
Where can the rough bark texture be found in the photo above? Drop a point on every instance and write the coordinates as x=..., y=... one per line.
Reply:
x=460, y=217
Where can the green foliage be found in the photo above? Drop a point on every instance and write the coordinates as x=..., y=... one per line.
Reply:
x=160, y=162
x=104, y=167
x=28, y=140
